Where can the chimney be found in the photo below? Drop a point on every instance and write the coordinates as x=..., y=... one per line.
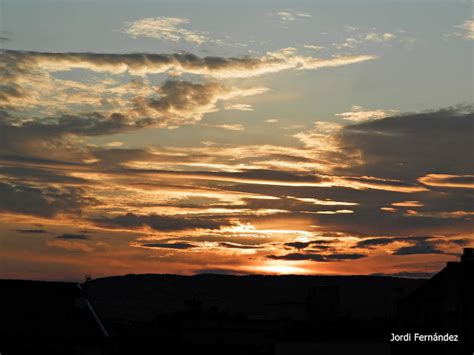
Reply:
x=468, y=255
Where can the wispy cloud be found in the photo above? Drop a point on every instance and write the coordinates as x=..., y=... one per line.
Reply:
x=313, y=46
x=228, y=127
x=239, y=107
x=359, y=114
x=160, y=222
x=165, y=28
x=379, y=37
x=465, y=30
x=359, y=38
x=288, y=16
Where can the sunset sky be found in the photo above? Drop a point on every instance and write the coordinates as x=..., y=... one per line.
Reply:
x=273, y=137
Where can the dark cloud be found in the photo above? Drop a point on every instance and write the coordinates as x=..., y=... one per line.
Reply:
x=372, y=242
x=421, y=246
x=369, y=221
x=318, y=244
x=317, y=257
x=43, y=202
x=87, y=124
x=40, y=175
x=51, y=141
x=73, y=236
x=159, y=222
x=343, y=256
x=298, y=256
x=460, y=242
x=180, y=102
x=31, y=231
x=399, y=149
x=184, y=96
x=119, y=156
x=169, y=245
x=238, y=246
x=297, y=245
x=34, y=160
x=409, y=146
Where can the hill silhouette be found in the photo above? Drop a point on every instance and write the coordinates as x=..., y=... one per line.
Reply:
x=258, y=296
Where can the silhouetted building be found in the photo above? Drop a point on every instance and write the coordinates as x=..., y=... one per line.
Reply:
x=48, y=318
x=444, y=304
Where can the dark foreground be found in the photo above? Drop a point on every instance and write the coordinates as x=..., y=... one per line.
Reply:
x=221, y=314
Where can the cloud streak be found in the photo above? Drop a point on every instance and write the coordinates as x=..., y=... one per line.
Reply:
x=16, y=63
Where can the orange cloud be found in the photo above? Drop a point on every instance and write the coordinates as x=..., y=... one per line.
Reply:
x=450, y=181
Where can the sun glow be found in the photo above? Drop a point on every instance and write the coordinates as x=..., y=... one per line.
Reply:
x=280, y=269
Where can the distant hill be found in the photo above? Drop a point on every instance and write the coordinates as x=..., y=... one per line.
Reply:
x=142, y=297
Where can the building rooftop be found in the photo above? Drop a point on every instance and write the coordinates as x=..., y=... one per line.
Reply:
x=47, y=309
